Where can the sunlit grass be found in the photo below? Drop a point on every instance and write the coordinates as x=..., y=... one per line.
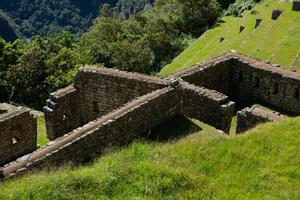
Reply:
x=274, y=40
x=262, y=164
x=42, y=139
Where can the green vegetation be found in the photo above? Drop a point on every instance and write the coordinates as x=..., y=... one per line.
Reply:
x=263, y=164
x=30, y=70
x=275, y=41
x=42, y=139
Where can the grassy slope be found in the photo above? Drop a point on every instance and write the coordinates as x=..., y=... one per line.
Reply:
x=276, y=41
x=263, y=164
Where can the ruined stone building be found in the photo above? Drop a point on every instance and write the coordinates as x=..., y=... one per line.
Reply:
x=18, y=133
x=106, y=107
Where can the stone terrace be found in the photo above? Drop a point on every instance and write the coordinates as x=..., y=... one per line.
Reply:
x=106, y=107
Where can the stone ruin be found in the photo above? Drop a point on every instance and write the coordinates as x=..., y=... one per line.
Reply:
x=296, y=5
x=250, y=117
x=107, y=108
x=276, y=14
x=18, y=133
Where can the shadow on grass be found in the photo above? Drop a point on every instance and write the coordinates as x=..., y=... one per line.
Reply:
x=172, y=129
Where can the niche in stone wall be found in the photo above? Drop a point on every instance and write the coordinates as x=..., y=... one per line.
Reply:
x=257, y=82
x=241, y=77
x=296, y=93
x=96, y=108
x=275, y=88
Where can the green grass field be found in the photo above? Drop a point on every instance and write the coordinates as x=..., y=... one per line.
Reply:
x=42, y=139
x=274, y=40
x=262, y=164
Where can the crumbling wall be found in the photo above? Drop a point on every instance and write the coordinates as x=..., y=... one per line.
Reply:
x=117, y=128
x=250, y=117
x=246, y=80
x=256, y=81
x=18, y=134
x=208, y=106
x=103, y=90
x=62, y=112
x=96, y=92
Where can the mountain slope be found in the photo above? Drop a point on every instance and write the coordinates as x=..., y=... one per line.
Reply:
x=274, y=40
x=263, y=164
x=46, y=17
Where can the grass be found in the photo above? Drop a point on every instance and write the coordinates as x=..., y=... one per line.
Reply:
x=42, y=139
x=274, y=40
x=262, y=164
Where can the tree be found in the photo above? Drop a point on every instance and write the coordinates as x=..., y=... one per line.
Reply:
x=27, y=79
x=198, y=15
x=132, y=56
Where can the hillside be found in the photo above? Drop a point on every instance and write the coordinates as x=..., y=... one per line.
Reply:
x=46, y=17
x=274, y=40
x=263, y=164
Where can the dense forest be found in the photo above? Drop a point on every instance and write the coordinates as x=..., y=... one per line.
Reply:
x=147, y=41
x=46, y=17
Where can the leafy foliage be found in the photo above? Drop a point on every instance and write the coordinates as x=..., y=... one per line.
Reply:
x=143, y=43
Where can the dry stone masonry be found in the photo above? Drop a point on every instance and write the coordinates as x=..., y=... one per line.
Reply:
x=18, y=133
x=107, y=108
x=250, y=117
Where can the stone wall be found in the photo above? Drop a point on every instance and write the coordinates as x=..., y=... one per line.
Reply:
x=247, y=81
x=62, y=112
x=214, y=74
x=256, y=81
x=103, y=90
x=250, y=117
x=208, y=106
x=108, y=108
x=117, y=128
x=18, y=133
x=96, y=92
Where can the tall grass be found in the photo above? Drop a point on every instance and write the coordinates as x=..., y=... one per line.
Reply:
x=262, y=164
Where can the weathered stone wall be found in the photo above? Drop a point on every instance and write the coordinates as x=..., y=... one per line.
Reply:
x=18, y=133
x=246, y=80
x=260, y=82
x=94, y=114
x=250, y=117
x=103, y=90
x=62, y=112
x=214, y=75
x=117, y=128
x=96, y=92
x=206, y=105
